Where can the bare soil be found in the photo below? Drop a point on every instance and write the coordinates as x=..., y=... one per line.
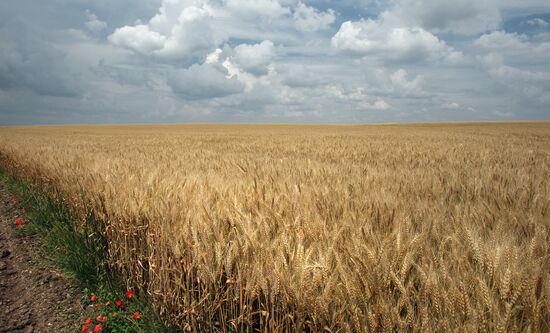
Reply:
x=34, y=295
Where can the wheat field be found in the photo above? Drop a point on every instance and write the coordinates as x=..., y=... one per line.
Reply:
x=374, y=228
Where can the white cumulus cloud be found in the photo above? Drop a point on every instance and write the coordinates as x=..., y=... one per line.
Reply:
x=500, y=40
x=178, y=31
x=138, y=38
x=386, y=41
x=254, y=58
x=514, y=45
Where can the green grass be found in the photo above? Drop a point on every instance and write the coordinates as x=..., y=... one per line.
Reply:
x=80, y=250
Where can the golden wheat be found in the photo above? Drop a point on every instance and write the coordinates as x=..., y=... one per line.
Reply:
x=310, y=228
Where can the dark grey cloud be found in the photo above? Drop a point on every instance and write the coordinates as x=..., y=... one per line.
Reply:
x=203, y=82
x=304, y=77
x=123, y=75
x=29, y=62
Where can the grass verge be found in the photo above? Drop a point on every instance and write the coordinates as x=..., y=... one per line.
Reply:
x=80, y=250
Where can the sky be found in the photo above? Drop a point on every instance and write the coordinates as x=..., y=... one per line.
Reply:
x=273, y=61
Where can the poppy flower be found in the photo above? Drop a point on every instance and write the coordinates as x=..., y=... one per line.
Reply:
x=19, y=222
x=88, y=321
x=85, y=328
x=114, y=314
x=93, y=298
x=129, y=294
x=98, y=328
x=99, y=318
x=120, y=304
x=136, y=315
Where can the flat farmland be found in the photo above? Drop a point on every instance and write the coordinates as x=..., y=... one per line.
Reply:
x=365, y=228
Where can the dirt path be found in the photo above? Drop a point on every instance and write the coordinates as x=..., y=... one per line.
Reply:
x=34, y=297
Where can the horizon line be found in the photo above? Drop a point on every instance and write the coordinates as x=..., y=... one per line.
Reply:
x=283, y=123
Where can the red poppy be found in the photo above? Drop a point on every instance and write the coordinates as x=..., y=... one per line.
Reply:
x=129, y=294
x=93, y=298
x=98, y=328
x=88, y=321
x=85, y=328
x=98, y=318
x=19, y=222
x=120, y=304
x=136, y=315
x=114, y=314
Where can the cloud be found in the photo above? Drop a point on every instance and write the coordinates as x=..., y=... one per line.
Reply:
x=254, y=58
x=500, y=40
x=451, y=106
x=513, y=43
x=258, y=8
x=379, y=104
x=29, y=63
x=178, y=31
x=93, y=23
x=358, y=99
x=515, y=74
x=304, y=77
x=388, y=42
x=538, y=22
x=309, y=19
x=468, y=17
x=205, y=81
x=402, y=85
x=501, y=62
x=138, y=38
x=122, y=75
x=188, y=30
